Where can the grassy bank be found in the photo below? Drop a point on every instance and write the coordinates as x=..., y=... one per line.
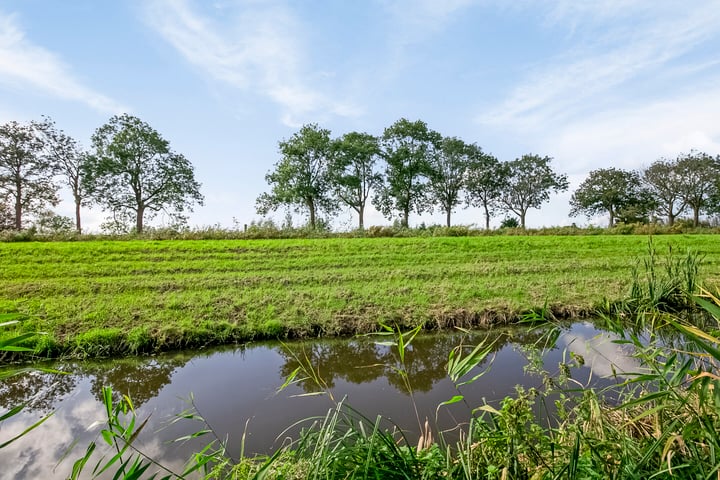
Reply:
x=112, y=297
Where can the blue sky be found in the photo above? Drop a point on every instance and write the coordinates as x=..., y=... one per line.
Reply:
x=590, y=83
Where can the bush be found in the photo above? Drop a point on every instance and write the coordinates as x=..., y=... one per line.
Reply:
x=510, y=222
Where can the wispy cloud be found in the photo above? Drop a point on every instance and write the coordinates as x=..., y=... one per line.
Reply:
x=411, y=23
x=424, y=16
x=634, y=136
x=260, y=51
x=617, y=53
x=26, y=65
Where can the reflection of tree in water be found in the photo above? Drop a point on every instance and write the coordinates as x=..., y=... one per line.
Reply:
x=426, y=359
x=356, y=361
x=140, y=378
x=362, y=361
x=38, y=389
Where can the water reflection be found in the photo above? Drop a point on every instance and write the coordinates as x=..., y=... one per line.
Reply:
x=40, y=391
x=363, y=360
x=236, y=390
x=141, y=379
x=603, y=355
x=65, y=433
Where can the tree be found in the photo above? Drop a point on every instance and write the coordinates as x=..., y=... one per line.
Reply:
x=51, y=222
x=302, y=178
x=609, y=190
x=133, y=171
x=26, y=176
x=698, y=173
x=529, y=183
x=408, y=148
x=447, y=174
x=712, y=206
x=666, y=187
x=67, y=155
x=353, y=170
x=486, y=180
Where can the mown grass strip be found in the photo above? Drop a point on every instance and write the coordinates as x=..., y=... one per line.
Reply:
x=106, y=297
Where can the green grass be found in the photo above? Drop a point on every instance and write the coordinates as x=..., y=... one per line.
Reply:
x=117, y=297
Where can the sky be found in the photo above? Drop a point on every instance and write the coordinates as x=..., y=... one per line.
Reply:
x=590, y=83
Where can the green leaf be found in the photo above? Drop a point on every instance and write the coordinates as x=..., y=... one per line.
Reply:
x=107, y=436
x=12, y=412
x=24, y=432
x=199, y=433
x=454, y=399
x=79, y=465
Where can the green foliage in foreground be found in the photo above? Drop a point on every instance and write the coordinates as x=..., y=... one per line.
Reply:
x=110, y=298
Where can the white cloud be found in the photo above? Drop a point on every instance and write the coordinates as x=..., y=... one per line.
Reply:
x=602, y=355
x=590, y=75
x=64, y=435
x=261, y=51
x=635, y=136
x=24, y=64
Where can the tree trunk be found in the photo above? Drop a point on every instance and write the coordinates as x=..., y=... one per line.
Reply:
x=448, y=218
x=696, y=216
x=139, y=219
x=612, y=217
x=487, y=218
x=311, y=206
x=522, y=220
x=18, y=206
x=406, y=215
x=361, y=223
x=671, y=218
x=78, y=227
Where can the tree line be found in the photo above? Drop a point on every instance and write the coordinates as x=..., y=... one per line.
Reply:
x=409, y=169
x=666, y=189
x=414, y=169
x=130, y=171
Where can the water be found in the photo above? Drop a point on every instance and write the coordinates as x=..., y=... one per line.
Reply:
x=236, y=391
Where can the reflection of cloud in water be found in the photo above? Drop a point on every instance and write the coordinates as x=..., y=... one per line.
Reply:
x=604, y=357
x=36, y=454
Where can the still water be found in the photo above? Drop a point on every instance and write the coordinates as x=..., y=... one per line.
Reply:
x=236, y=391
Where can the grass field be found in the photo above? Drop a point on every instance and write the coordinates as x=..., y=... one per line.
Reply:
x=116, y=297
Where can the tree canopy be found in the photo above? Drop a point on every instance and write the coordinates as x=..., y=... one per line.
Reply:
x=699, y=173
x=485, y=182
x=68, y=157
x=26, y=175
x=302, y=178
x=609, y=190
x=447, y=174
x=666, y=187
x=408, y=148
x=353, y=170
x=530, y=181
x=132, y=170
